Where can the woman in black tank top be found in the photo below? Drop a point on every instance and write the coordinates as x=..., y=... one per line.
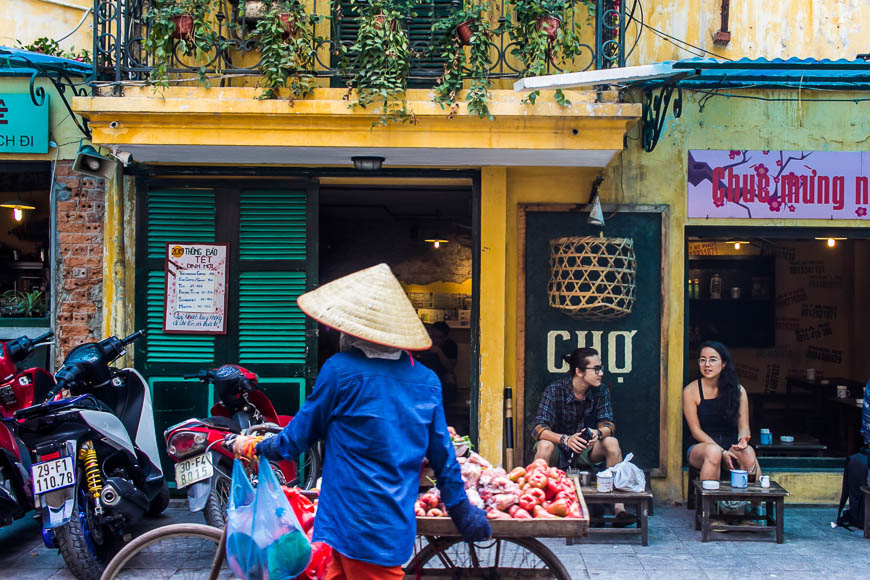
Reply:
x=717, y=412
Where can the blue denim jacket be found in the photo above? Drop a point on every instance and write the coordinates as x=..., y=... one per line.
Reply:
x=379, y=418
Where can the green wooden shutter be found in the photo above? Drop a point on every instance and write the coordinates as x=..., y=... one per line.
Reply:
x=271, y=326
x=274, y=263
x=174, y=215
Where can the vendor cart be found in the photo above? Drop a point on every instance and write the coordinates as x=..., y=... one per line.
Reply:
x=514, y=550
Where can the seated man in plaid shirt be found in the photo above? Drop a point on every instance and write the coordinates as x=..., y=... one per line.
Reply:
x=569, y=407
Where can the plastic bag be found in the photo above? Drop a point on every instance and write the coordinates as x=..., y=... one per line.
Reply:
x=627, y=476
x=264, y=538
x=321, y=554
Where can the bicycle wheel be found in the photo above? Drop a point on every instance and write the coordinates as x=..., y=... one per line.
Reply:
x=508, y=558
x=176, y=551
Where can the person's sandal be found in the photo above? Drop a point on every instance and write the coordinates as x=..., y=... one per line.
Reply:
x=624, y=519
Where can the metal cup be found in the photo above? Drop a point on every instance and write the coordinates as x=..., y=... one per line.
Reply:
x=585, y=478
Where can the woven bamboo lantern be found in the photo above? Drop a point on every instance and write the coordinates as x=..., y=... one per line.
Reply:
x=592, y=278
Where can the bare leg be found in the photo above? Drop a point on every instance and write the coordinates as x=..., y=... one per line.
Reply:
x=546, y=451
x=708, y=458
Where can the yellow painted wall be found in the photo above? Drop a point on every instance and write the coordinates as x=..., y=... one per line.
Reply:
x=780, y=29
x=27, y=20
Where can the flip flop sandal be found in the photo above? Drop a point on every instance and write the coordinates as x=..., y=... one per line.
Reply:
x=624, y=519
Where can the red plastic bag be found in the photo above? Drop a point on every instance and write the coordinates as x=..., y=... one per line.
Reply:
x=321, y=554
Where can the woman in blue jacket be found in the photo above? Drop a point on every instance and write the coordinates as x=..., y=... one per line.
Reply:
x=379, y=415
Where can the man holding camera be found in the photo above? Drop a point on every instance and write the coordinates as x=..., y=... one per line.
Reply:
x=574, y=424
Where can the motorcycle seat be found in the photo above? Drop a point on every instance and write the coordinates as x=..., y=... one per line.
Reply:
x=223, y=423
x=283, y=420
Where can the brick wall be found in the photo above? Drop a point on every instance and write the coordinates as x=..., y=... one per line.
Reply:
x=78, y=289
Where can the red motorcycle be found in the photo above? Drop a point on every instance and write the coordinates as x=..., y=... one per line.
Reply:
x=204, y=466
x=18, y=389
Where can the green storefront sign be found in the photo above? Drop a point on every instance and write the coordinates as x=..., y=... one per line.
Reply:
x=23, y=125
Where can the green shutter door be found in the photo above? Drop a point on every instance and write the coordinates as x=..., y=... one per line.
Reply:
x=275, y=266
x=271, y=261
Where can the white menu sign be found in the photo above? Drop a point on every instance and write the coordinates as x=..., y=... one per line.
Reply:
x=196, y=288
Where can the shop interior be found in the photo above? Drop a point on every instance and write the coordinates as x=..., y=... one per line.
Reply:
x=792, y=311
x=425, y=234
x=24, y=239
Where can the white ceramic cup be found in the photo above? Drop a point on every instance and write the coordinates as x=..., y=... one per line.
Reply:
x=842, y=391
x=811, y=374
x=765, y=481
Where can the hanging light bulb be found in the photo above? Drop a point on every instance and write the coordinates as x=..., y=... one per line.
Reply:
x=736, y=245
x=832, y=242
x=436, y=242
x=17, y=206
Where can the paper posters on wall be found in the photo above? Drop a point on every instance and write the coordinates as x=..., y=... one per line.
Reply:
x=196, y=289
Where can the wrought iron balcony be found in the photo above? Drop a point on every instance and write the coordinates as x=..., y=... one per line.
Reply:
x=121, y=26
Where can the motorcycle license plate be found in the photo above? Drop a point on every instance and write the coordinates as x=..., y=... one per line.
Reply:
x=193, y=470
x=54, y=474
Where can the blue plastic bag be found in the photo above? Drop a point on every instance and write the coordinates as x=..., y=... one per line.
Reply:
x=264, y=538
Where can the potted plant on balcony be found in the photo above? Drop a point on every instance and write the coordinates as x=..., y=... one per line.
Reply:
x=469, y=26
x=543, y=33
x=289, y=46
x=179, y=27
x=379, y=60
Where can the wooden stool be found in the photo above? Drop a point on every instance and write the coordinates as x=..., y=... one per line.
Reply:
x=773, y=497
x=643, y=509
x=866, y=491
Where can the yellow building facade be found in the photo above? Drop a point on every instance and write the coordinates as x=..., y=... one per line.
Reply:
x=542, y=154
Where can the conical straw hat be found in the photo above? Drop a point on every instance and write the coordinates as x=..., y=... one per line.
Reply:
x=371, y=305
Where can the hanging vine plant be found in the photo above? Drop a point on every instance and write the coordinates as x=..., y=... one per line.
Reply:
x=469, y=26
x=379, y=61
x=179, y=27
x=288, y=43
x=543, y=33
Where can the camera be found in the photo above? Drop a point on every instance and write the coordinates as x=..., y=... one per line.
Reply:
x=587, y=434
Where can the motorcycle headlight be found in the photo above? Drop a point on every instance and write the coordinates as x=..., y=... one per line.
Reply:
x=185, y=443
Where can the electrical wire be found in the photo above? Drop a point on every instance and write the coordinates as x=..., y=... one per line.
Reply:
x=855, y=100
x=674, y=40
x=639, y=27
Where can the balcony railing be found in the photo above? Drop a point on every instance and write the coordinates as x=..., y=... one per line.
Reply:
x=120, y=27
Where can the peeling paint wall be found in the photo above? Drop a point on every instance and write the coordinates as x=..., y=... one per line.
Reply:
x=773, y=29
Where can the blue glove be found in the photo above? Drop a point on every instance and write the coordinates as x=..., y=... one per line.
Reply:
x=470, y=521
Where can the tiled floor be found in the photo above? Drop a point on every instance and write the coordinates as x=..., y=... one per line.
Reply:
x=812, y=549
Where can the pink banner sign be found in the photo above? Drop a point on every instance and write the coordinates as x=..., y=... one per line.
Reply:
x=778, y=184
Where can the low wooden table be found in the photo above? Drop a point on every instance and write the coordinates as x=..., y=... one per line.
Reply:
x=641, y=501
x=773, y=497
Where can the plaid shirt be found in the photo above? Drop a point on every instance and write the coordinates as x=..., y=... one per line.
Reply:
x=561, y=412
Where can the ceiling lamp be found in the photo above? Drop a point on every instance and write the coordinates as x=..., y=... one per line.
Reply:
x=831, y=242
x=363, y=163
x=17, y=206
x=738, y=244
x=436, y=242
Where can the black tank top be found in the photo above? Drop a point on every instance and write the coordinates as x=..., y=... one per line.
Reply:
x=711, y=415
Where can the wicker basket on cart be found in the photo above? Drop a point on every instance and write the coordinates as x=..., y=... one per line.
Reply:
x=592, y=278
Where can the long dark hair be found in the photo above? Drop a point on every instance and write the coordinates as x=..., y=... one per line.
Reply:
x=578, y=358
x=729, y=386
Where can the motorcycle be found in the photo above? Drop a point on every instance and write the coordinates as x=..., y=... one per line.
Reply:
x=204, y=466
x=96, y=470
x=18, y=387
